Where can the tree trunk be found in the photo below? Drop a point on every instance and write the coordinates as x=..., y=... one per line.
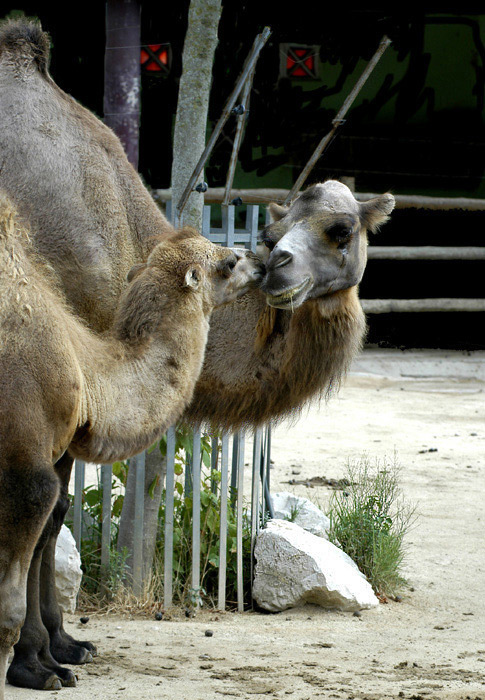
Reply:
x=193, y=102
x=122, y=74
x=155, y=466
x=189, y=142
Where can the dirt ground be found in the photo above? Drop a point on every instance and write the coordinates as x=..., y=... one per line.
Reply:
x=431, y=645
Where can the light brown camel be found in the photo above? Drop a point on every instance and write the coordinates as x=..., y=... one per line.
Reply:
x=101, y=397
x=92, y=219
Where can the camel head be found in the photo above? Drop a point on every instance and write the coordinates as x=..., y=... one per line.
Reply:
x=187, y=260
x=319, y=243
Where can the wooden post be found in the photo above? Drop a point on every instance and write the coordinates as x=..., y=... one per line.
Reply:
x=122, y=73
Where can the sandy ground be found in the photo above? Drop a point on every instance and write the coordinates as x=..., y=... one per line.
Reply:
x=430, y=645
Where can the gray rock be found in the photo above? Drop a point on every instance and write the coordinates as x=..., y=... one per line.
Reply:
x=301, y=511
x=68, y=571
x=294, y=567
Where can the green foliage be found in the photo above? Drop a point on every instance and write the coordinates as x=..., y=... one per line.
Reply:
x=182, y=557
x=293, y=514
x=369, y=520
x=209, y=545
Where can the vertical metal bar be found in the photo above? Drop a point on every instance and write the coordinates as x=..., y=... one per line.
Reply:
x=228, y=222
x=235, y=457
x=206, y=220
x=256, y=471
x=262, y=471
x=79, y=471
x=267, y=482
x=239, y=522
x=169, y=501
x=214, y=463
x=252, y=221
x=221, y=602
x=138, y=463
x=106, y=480
x=196, y=515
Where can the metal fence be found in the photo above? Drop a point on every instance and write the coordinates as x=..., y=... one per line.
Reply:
x=232, y=450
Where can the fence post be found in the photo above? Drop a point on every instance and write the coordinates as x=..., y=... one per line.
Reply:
x=239, y=520
x=168, y=535
x=196, y=516
x=79, y=471
x=106, y=481
x=221, y=601
x=138, y=463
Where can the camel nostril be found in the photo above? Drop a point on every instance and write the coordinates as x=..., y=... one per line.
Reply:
x=279, y=258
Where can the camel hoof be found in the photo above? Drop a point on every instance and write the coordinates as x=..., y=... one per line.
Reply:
x=53, y=683
x=69, y=651
x=90, y=647
x=70, y=682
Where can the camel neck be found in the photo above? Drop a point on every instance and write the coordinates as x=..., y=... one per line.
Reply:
x=144, y=378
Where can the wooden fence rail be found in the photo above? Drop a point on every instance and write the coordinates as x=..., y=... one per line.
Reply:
x=388, y=306
x=214, y=195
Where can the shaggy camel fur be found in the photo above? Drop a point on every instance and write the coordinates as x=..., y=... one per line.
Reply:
x=102, y=398
x=92, y=219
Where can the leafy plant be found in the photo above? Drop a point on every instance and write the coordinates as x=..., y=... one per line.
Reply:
x=369, y=521
x=182, y=544
x=209, y=545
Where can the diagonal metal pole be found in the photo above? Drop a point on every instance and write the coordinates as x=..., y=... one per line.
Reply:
x=241, y=123
x=258, y=44
x=339, y=119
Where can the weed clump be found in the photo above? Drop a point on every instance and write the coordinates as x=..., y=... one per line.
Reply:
x=369, y=520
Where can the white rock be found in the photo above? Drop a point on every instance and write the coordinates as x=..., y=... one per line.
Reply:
x=308, y=516
x=294, y=567
x=68, y=570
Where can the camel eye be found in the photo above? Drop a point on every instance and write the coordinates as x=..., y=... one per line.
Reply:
x=227, y=266
x=265, y=238
x=340, y=234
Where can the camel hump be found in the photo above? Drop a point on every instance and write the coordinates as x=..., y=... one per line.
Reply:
x=25, y=42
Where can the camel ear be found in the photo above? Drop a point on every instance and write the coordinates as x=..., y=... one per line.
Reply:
x=376, y=211
x=277, y=212
x=135, y=270
x=193, y=277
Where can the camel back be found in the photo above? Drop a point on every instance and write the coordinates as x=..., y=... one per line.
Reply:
x=89, y=213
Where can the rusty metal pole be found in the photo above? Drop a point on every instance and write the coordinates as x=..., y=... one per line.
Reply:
x=122, y=73
x=339, y=119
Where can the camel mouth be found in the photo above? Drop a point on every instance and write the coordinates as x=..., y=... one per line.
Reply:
x=290, y=298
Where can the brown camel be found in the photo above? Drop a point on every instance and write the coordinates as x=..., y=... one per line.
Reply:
x=102, y=398
x=92, y=219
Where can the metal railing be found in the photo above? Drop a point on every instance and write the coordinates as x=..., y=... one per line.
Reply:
x=231, y=486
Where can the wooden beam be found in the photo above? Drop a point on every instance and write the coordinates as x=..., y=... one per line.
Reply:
x=215, y=195
x=425, y=252
x=388, y=306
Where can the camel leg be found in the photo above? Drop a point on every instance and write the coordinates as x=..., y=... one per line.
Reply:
x=64, y=648
x=33, y=665
x=28, y=493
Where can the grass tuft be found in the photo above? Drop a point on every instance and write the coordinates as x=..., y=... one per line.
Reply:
x=369, y=520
